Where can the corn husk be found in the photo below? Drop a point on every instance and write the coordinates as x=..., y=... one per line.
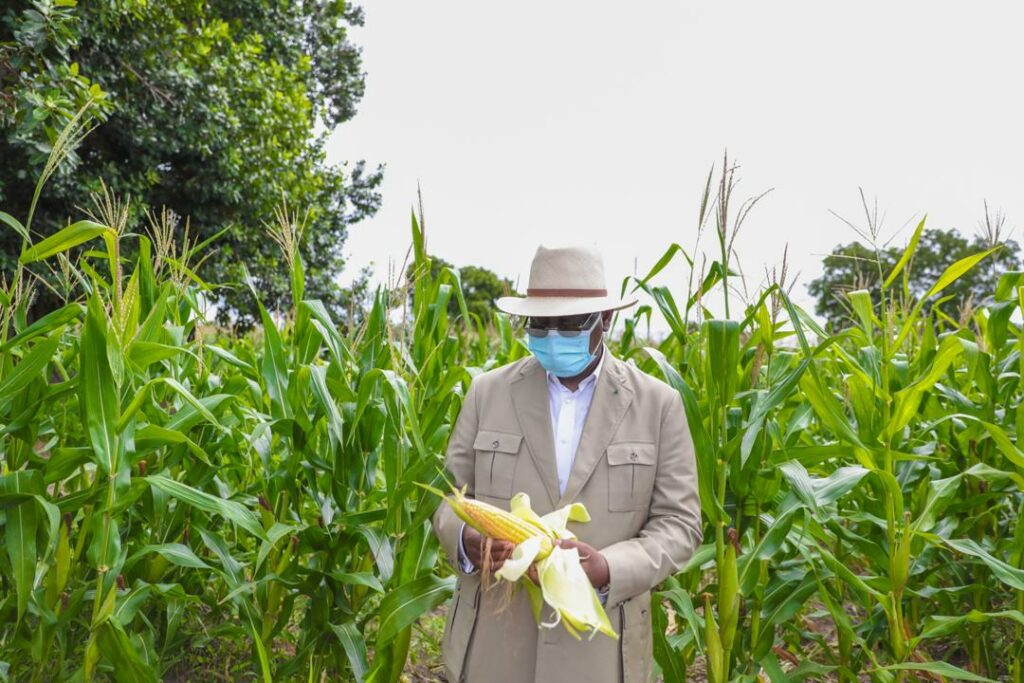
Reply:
x=563, y=582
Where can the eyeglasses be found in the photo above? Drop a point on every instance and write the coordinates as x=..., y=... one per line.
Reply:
x=566, y=326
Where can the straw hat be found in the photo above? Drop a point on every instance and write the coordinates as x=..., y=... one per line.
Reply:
x=567, y=281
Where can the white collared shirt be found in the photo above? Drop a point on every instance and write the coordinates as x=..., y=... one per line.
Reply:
x=568, y=413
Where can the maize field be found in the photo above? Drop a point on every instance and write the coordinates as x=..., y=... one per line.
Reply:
x=168, y=488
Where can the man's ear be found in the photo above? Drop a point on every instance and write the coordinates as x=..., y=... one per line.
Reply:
x=606, y=320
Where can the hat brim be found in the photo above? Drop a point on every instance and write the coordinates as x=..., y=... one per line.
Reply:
x=554, y=306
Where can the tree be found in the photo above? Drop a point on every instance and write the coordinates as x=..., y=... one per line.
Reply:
x=855, y=266
x=217, y=110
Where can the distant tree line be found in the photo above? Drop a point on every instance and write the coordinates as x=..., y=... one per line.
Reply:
x=856, y=266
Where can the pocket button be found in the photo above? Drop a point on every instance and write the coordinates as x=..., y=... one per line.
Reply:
x=633, y=456
x=495, y=444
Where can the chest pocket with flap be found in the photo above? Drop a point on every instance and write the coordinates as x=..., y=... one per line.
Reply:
x=496, y=458
x=630, y=476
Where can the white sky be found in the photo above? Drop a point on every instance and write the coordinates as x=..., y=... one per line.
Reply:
x=570, y=121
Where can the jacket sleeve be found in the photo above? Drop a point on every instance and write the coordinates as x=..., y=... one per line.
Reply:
x=461, y=463
x=673, y=530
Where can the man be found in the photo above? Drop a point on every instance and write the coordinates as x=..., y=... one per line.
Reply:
x=571, y=423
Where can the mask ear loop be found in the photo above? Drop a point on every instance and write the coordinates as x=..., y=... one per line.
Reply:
x=590, y=328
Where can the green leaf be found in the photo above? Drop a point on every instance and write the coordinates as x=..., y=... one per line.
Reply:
x=942, y=668
x=1006, y=573
x=65, y=239
x=770, y=543
x=358, y=579
x=30, y=366
x=20, y=539
x=49, y=322
x=152, y=435
x=175, y=553
x=908, y=400
x=117, y=648
x=355, y=648
x=665, y=259
x=861, y=302
x=673, y=668
x=404, y=605
x=704, y=447
x=200, y=500
x=16, y=224
x=958, y=270
x=723, y=345
x=96, y=389
x=907, y=254
x=936, y=626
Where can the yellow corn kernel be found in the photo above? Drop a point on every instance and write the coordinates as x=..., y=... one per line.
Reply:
x=496, y=523
x=493, y=522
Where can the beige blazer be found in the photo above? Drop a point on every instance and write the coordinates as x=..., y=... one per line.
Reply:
x=636, y=473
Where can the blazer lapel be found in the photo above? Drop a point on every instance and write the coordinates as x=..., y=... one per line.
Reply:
x=612, y=397
x=533, y=410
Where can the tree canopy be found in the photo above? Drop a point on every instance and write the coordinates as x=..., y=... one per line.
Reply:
x=216, y=110
x=856, y=266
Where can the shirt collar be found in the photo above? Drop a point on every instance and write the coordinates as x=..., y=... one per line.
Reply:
x=588, y=380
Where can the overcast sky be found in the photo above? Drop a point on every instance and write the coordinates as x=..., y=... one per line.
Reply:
x=568, y=121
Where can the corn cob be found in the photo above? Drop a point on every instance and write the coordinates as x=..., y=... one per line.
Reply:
x=493, y=522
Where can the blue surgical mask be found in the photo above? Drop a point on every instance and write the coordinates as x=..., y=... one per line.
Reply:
x=563, y=356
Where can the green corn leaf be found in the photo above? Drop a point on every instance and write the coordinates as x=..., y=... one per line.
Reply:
x=1011, y=576
x=46, y=324
x=942, y=668
x=704, y=448
x=769, y=544
x=175, y=553
x=140, y=397
x=908, y=400
x=152, y=436
x=358, y=579
x=958, y=270
x=97, y=391
x=906, y=256
x=117, y=648
x=861, y=302
x=673, y=669
x=200, y=500
x=936, y=626
x=404, y=605
x=318, y=375
x=20, y=541
x=144, y=353
x=355, y=648
x=16, y=225
x=65, y=239
x=723, y=344
x=666, y=258
x=30, y=367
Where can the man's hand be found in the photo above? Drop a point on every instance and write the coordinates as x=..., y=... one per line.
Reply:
x=593, y=562
x=591, y=559
x=473, y=542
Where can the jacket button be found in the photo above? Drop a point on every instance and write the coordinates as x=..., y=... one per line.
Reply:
x=495, y=444
x=633, y=456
